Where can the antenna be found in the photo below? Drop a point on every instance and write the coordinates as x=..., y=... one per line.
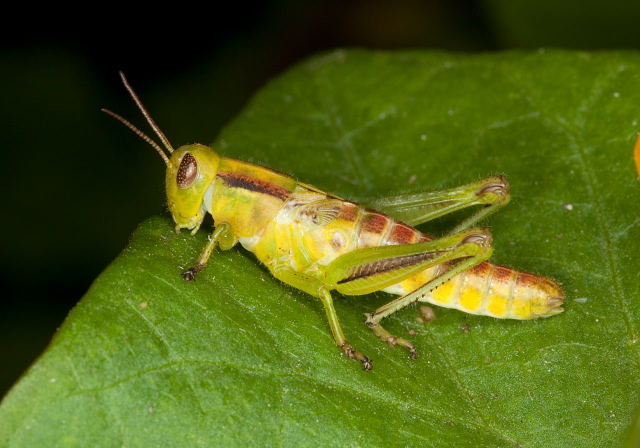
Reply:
x=152, y=123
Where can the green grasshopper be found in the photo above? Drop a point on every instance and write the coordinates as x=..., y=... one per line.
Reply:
x=318, y=242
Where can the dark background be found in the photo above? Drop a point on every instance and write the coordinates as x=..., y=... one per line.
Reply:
x=75, y=183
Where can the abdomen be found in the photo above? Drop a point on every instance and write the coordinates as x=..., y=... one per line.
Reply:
x=312, y=230
x=491, y=290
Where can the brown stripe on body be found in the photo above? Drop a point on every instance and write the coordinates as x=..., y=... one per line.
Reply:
x=374, y=227
x=529, y=280
x=504, y=274
x=374, y=222
x=349, y=212
x=402, y=233
x=238, y=180
x=481, y=269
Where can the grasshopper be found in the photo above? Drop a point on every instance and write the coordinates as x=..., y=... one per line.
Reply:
x=318, y=242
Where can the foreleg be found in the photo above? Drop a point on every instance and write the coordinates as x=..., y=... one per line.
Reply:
x=222, y=236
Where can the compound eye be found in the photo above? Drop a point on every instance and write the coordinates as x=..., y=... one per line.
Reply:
x=187, y=172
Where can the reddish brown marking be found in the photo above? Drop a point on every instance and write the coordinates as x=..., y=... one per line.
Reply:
x=238, y=180
x=548, y=288
x=374, y=222
x=401, y=233
x=527, y=280
x=349, y=212
x=481, y=269
x=551, y=287
x=502, y=274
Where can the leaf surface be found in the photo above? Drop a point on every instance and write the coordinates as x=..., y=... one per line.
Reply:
x=239, y=359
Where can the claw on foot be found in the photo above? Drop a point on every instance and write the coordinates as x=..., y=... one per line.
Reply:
x=354, y=354
x=406, y=344
x=190, y=274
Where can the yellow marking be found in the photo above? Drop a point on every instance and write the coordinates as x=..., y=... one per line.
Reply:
x=497, y=296
x=539, y=303
x=521, y=308
x=444, y=292
x=470, y=292
x=470, y=299
x=521, y=304
x=496, y=306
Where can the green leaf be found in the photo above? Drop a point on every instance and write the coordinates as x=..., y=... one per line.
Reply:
x=239, y=359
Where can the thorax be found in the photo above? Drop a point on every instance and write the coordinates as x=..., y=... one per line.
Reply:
x=247, y=196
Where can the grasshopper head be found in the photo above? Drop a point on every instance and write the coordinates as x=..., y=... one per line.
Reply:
x=190, y=172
